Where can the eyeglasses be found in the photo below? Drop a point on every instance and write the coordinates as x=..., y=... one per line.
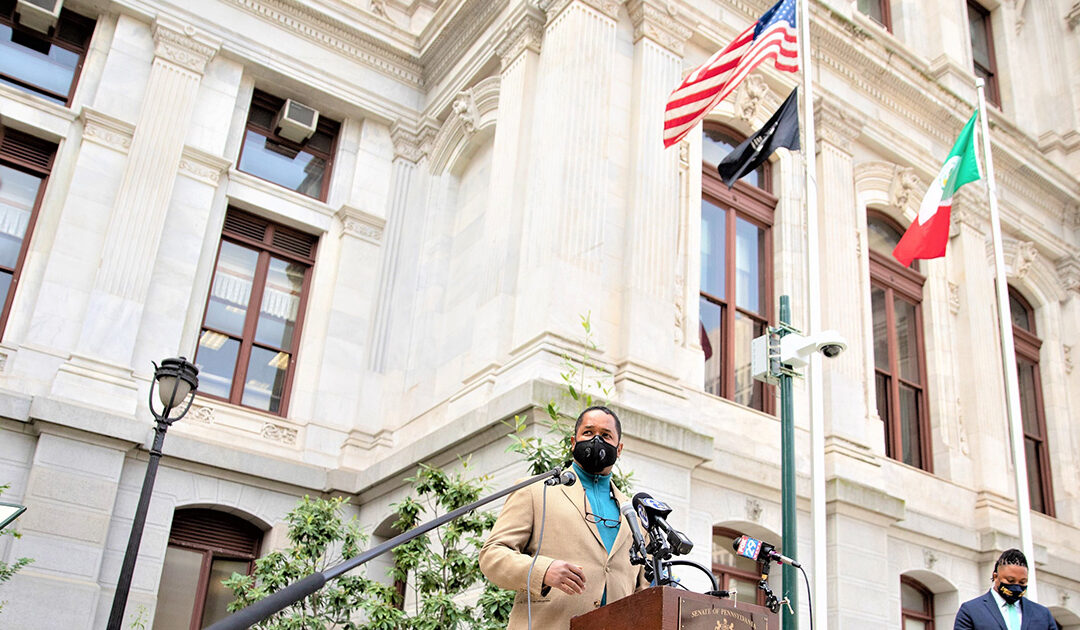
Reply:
x=599, y=520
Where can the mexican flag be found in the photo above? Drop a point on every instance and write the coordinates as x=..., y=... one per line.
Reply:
x=929, y=232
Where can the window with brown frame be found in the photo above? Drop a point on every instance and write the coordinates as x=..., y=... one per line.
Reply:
x=251, y=326
x=1036, y=452
x=735, y=303
x=25, y=164
x=735, y=572
x=982, y=50
x=303, y=167
x=916, y=605
x=899, y=355
x=878, y=11
x=205, y=547
x=45, y=65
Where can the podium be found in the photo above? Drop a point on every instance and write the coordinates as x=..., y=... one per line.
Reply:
x=667, y=608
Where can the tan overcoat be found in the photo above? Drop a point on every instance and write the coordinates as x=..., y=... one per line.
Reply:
x=506, y=556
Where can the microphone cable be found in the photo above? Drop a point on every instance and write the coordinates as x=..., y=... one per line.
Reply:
x=539, y=541
x=809, y=597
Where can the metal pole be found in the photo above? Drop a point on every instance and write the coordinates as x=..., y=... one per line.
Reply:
x=123, y=584
x=787, y=483
x=1008, y=357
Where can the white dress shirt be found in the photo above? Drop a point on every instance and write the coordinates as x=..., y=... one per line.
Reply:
x=1002, y=608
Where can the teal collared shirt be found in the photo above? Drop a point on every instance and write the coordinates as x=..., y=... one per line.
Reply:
x=601, y=502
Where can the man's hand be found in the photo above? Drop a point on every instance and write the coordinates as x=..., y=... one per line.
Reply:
x=568, y=578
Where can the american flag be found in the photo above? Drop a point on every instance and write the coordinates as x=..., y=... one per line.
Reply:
x=773, y=36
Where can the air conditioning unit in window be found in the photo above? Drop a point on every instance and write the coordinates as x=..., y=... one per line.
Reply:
x=39, y=15
x=296, y=121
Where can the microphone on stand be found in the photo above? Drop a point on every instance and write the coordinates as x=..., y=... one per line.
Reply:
x=564, y=478
x=749, y=547
x=637, y=550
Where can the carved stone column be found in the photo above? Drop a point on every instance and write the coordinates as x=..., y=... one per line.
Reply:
x=118, y=296
x=650, y=251
x=843, y=377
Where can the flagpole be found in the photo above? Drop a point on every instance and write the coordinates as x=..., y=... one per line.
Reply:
x=813, y=286
x=1008, y=357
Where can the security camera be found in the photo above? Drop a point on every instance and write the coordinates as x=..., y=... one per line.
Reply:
x=795, y=349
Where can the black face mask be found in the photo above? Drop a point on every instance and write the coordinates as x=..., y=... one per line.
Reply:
x=1011, y=593
x=595, y=455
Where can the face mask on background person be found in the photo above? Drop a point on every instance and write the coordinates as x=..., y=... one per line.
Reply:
x=1011, y=593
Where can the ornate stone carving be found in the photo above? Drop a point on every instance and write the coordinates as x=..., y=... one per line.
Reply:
x=183, y=45
x=202, y=166
x=658, y=24
x=363, y=230
x=464, y=29
x=961, y=432
x=1025, y=254
x=202, y=415
x=107, y=132
x=278, y=433
x=905, y=187
x=753, y=509
x=684, y=153
x=1068, y=271
x=750, y=97
x=553, y=8
x=966, y=211
x=378, y=7
x=1070, y=217
x=838, y=126
x=526, y=34
x=1066, y=352
x=412, y=146
x=954, y=298
x=929, y=558
x=1018, y=11
x=464, y=108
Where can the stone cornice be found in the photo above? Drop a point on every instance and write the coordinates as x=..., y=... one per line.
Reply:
x=107, y=131
x=460, y=33
x=202, y=166
x=1068, y=271
x=362, y=225
x=293, y=15
x=410, y=144
x=658, y=24
x=525, y=32
x=183, y=44
x=837, y=125
x=552, y=8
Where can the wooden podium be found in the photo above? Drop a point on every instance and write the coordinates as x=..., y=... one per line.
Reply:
x=667, y=608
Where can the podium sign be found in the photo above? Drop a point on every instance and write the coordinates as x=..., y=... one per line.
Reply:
x=705, y=615
x=666, y=608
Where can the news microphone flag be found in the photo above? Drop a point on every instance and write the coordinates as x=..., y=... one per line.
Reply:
x=781, y=130
x=929, y=232
x=773, y=36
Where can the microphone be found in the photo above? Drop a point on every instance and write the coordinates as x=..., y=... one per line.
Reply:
x=653, y=514
x=761, y=551
x=637, y=551
x=565, y=478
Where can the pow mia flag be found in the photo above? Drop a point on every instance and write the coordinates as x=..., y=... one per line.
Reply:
x=782, y=130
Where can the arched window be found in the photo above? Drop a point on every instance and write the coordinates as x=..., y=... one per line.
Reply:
x=736, y=273
x=1031, y=403
x=916, y=605
x=205, y=547
x=899, y=361
x=735, y=572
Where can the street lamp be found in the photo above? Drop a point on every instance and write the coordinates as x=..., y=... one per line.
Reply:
x=176, y=381
x=774, y=358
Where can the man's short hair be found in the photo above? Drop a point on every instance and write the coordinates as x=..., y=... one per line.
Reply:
x=581, y=416
x=1011, y=557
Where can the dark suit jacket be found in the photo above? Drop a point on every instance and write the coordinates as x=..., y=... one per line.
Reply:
x=982, y=613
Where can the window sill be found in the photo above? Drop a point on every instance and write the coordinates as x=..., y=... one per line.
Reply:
x=267, y=199
x=34, y=115
x=228, y=424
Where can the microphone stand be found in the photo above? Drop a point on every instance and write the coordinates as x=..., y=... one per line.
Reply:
x=279, y=600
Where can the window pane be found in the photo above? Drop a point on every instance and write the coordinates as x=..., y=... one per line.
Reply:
x=747, y=590
x=217, y=596
x=231, y=292
x=713, y=249
x=273, y=161
x=34, y=61
x=1019, y=314
x=749, y=266
x=909, y=425
x=980, y=45
x=711, y=344
x=280, y=303
x=914, y=624
x=747, y=391
x=912, y=598
x=881, y=383
x=1028, y=401
x=872, y=8
x=907, y=340
x=715, y=148
x=216, y=360
x=265, y=379
x=882, y=237
x=881, y=329
x=18, y=191
x=176, y=591
x=1035, y=485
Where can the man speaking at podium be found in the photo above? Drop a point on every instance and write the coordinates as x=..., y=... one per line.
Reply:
x=584, y=561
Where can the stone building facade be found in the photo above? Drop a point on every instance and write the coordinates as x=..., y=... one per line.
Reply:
x=482, y=174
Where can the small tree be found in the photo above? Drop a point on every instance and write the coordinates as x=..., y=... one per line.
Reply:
x=7, y=571
x=320, y=538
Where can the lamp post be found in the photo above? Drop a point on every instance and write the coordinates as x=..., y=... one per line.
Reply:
x=176, y=381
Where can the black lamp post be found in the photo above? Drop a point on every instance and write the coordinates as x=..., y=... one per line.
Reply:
x=176, y=380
